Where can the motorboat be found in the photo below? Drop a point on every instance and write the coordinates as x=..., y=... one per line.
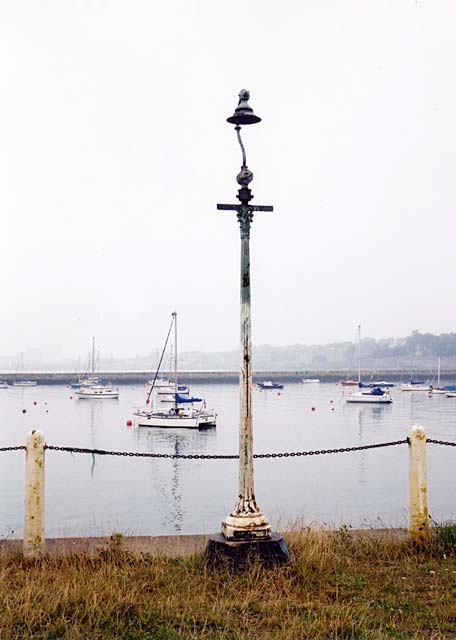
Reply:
x=348, y=383
x=97, y=391
x=4, y=384
x=311, y=380
x=267, y=384
x=375, y=395
x=207, y=418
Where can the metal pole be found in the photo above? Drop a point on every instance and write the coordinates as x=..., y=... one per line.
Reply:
x=246, y=533
x=246, y=519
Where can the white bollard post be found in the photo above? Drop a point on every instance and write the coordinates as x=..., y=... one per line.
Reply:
x=418, y=515
x=33, y=544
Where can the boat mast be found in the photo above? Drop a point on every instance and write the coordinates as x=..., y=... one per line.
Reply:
x=93, y=358
x=359, y=353
x=175, y=360
x=438, y=374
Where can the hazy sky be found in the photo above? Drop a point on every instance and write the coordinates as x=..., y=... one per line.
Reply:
x=114, y=150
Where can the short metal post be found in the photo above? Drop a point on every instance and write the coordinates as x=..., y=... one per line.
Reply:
x=418, y=515
x=33, y=545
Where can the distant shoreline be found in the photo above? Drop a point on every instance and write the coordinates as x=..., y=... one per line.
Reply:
x=227, y=377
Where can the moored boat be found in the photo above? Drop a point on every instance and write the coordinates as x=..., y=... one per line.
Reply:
x=97, y=391
x=383, y=384
x=416, y=385
x=375, y=395
x=267, y=384
x=94, y=388
x=175, y=416
x=4, y=384
x=167, y=418
x=22, y=382
x=311, y=380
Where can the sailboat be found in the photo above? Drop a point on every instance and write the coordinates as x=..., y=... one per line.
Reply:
x=372, y=393
x=415, y=385
x=175, y=416
x=93, y=388
x=23, y=382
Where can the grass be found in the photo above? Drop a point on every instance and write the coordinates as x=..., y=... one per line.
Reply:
x=338, y=586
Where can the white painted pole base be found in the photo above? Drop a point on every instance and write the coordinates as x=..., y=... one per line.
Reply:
x=34, y=542
x=418, y=514
x=246, y=527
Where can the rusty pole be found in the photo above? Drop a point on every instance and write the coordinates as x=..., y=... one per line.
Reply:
x=246, y=534
x=246, y=519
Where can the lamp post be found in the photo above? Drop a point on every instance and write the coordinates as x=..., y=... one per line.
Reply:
x=246, y=532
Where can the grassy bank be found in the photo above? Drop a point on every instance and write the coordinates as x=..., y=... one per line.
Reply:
x=338, y=586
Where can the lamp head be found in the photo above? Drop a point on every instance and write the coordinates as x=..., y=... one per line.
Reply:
x=243, y=114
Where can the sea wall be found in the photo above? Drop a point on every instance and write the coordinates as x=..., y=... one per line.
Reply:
x=228, y=377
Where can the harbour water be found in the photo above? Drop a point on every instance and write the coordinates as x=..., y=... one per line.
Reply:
x=140, y=496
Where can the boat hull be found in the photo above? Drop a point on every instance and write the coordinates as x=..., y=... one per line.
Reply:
x=94, y=394
x=167, y=422
x=25, y=383
x=368, y=398
x=415, y=387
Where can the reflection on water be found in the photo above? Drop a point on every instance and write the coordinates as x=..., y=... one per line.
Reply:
x=156, y=496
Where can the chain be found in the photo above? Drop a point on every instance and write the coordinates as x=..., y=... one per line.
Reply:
x=173, y=456
x=325, y=451
x=196, y=456
x=132, y=454
x=444, y=442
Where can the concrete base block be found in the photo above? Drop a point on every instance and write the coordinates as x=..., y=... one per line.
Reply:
x=269, y=552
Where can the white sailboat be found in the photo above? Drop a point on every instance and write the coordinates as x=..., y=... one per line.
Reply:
x=175, y=416
x=93, y=388
x=23, y=382
x=416, y=385
x=438, y=389
x=368, y=393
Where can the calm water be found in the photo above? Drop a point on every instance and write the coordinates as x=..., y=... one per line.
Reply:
x=147, y=496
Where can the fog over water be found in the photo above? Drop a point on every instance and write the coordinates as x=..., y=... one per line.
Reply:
x=115, y=151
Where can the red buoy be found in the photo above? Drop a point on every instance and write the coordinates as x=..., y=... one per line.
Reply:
x=24, y=410
x=313, y=408
x=35, y=403
x=129, y=423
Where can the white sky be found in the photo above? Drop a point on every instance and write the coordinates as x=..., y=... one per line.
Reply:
x=115, y=150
